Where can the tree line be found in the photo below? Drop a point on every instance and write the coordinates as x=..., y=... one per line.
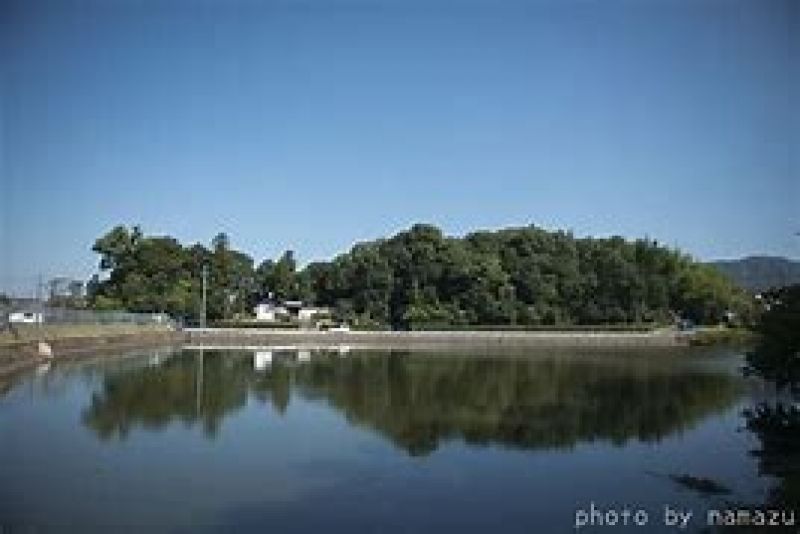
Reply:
x=421, y=278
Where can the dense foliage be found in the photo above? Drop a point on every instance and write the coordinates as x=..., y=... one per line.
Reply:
x=418, y=278
x=525, y=276
x=776, y=356
x=158, y=274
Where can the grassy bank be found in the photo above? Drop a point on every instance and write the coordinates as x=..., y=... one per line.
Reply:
x=20, y=347
x=722, y=336
x=624, y=327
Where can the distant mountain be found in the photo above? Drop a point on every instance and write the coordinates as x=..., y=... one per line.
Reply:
x=758, y=273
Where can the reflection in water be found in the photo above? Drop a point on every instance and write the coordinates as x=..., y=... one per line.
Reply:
x=703, y=486
x=187, y=387
x=778, y=430
x=418, y=400
x=262, y=360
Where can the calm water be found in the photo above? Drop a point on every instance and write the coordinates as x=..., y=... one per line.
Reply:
x=370, y=441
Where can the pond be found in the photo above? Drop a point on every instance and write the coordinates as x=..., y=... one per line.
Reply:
x=368, y=440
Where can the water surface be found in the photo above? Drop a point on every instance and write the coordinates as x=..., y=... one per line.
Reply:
x=351, y=441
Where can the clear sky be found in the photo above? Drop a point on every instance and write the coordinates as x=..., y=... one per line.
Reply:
x=313, y=124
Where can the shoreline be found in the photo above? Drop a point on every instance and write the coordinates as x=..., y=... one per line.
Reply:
x=68, y=344
x=407, y=339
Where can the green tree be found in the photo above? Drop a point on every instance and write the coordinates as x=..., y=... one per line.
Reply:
x=776, y=356
x=420, y=278
x=158, y=274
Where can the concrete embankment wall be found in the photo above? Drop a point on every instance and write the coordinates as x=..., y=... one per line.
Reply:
x=430, y=339
x=20, y=348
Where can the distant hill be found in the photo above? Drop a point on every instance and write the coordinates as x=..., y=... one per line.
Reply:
x=758, y=273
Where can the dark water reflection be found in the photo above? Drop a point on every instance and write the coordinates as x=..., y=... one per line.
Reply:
x=368, y=440
x=419, y=400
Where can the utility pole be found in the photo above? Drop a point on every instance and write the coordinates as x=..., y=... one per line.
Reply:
x=205, y=285
x=40, y=315
x=40, y=294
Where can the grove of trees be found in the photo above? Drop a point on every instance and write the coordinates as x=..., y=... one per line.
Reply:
x=421, y=278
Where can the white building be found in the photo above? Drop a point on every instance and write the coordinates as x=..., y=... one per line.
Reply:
x=26, y=317
x=271, y=311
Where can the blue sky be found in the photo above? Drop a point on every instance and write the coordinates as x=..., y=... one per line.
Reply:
x=313, y=124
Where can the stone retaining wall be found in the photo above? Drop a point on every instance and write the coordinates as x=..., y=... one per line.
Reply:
x=250, y=337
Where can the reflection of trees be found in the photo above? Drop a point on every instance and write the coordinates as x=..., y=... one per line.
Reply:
x=778, y=429
x=7, y=383
x=274, y=387
x=178, y=389
x=418, y=401
x=531, y=403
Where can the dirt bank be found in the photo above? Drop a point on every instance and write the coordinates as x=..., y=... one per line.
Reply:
x=21, y=348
